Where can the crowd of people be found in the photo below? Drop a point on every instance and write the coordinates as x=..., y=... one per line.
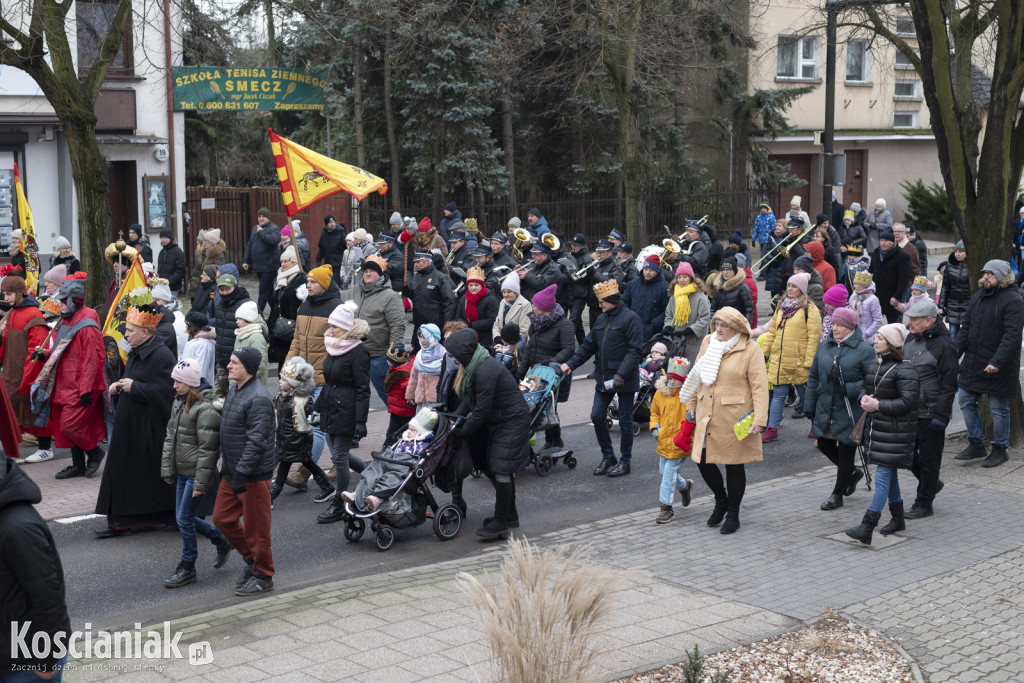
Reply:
x=445, y=319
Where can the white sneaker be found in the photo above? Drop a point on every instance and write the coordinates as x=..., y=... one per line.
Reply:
x=40, y=456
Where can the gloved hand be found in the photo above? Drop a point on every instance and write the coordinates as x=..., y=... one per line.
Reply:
x=684, y=439
x=841, y=389
x=435, y=251
x=869, y=404
x=686, y=331
x=86, y=399
x=618, y=381
x=655, y=430
x=937, y=424
x=239, y=487
x=809, y=416
x=667, y=330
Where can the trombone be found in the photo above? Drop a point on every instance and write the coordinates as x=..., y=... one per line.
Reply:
x=782, y=247
x=682, y=236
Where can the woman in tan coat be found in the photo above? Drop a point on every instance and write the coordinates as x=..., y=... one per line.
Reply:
x=727, y=382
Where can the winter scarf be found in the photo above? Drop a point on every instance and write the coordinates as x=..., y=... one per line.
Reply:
x=248, y=330
x=789, y=307
x=682, y=295
x=285, y=276
x=468, y=373
x=471, y=301
x=705, y=370
x=339, y=347
x=539, y=323
x=430, y=359
x=826, y=322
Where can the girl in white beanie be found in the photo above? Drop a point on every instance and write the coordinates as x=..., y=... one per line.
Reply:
x=252, y=331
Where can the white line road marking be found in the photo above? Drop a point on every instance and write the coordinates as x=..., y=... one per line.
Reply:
x=79, y=518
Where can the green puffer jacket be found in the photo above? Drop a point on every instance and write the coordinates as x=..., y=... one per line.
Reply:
x=192, y=444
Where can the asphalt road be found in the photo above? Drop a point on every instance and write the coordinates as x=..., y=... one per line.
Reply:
x=115, y=583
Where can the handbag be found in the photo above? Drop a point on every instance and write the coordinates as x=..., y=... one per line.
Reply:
x=284, y=329
x=857, y=434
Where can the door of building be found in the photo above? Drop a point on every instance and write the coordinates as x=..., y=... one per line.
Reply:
x=124, y=197
x=856, y=172
x=799, y=166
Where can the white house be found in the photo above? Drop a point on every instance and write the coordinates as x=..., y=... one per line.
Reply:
x=137, y=133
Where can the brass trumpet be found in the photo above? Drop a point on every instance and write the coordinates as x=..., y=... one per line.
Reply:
x=585, y=270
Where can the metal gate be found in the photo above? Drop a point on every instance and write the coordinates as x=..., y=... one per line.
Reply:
x=230, y=215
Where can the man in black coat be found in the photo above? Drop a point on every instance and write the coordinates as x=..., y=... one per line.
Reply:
x=647, y=296
x=432, y=294
x=331, y=246
x=485, y=259
x=580, y=288
x=989, y=342
x=491, y=400
x=606, y=269
x=694, y=251
x=837, y=211
x=31, y=578
x=931, y=350
x=499, y=252
x=614, y=340
x=132, y=493
x=452, y=215
x=395, y=263
x=170, y=263
x=890, y=267
x=248, y=450
x=262, y=255
x=232, y=295
x=543, y=272
x=624, y=257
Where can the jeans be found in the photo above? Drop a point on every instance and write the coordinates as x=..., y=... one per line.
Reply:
x=778, y=404
x=378, y=370
x=887, y=488
x=32, y=677
x=188, y=523
x=319, y=437
x=671, y=480
x=599, y=414
x=268, y=279
x=953, y=330
x=1000, y=407
x=343, y=460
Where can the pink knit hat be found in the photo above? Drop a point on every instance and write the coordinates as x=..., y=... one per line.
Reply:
x=187, y=371
x=801, y=280
x=847, y=317
x=344, y=316
x=894, y=333
x=685, y=269
x=545, y=298
x=836, y=295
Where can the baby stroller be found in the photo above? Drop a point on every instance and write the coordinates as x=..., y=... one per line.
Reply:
x=543, y=402
x=407, y=495
x=649, y=373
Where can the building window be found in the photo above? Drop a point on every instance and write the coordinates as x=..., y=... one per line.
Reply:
x=904, y=119
x=93, y=20
x=858, y=62
x=798, y=58
x=905, y=26
x=907, y=90
x=902, y=62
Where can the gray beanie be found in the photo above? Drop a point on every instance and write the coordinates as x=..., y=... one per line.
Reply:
x=998, y=268
x=959, y=246
x=60, y=243
x=515, y=222
x=804, y=263
x=855, y=207
x=396, y=219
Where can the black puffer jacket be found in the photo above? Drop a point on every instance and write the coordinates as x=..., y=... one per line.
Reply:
x=648, y=299
x=224, y=312
x=345, y=399
x=433, y=298
x=487, y=312
x=31, y=575
x=248, y=443
x=331, y=248
x=170, y=264
x=856, y=236
x=540, y=277
x=891, y=432
x=992, y=337
x=165, y=333
x=956, y=291
x=934, y=357
x=499, y=406
x=615, y=340
x=553, y=344
x=292, y=445
x=735, y=293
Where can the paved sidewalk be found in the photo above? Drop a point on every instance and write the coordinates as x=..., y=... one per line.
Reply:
x=947, y=589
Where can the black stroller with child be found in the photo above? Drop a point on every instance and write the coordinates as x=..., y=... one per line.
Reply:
x=540, y=389
x=400, y=481
x=650, y=370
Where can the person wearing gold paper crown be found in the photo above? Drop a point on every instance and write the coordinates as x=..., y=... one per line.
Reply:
x=70, y=371
x=120, y=263
x=132, y=494
x=477, y=307
x=614, y=341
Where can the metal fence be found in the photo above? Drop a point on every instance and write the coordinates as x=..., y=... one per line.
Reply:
x=594, y=215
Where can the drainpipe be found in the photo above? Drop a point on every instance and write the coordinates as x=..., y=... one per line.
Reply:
x=172, y=210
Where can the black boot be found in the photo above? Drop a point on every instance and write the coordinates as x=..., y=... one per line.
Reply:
x=897, y=523
x=974, y=451
x=223, y=546
x=620, y=470
x=334, y=513
x=851, y=486
x=497, y=526
x=721, y=507
x=77, y=466
x=93, y=465
x=832, y=503
x=867, y=525
x=918, y=511
x=184, y=574
x=732, y=522
x=605, y=465
x=997, y=457
x=275, y=490
x=326, y=487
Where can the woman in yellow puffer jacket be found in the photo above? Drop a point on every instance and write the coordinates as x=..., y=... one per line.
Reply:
x=790, y=344
x=667, y=414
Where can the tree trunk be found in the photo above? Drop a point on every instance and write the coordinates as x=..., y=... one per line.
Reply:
x=438, y=158
x=357, y=100
x=509, y=142
x=268, y=9
x=92, y=191
x=389, y=117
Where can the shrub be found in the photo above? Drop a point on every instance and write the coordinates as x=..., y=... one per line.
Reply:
x=927, y=206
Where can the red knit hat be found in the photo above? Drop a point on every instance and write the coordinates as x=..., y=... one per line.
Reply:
x=425, y=225
x=654, y=260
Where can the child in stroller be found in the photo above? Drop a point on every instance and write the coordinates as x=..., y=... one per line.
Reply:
x=508, y=349
x=660, y=348
x=540, y=391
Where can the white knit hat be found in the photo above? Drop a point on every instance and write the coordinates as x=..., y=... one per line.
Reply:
x=289, y=255
x=247, y=312
x=344, y=316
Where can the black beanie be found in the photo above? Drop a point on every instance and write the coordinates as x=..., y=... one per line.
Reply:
x=250, y=358
x=196, y=319
x=450, y=206
x=166, y=232
x=510, y=333
x=613, y=299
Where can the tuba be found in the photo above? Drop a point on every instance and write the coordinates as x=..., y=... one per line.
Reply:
x=670, y=247
x=521, y=235
x=550, y=241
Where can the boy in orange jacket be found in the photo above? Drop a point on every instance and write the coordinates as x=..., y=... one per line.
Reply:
x=667, y=410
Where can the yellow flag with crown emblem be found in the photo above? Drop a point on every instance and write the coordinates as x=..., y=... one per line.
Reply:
x=28, y=235
x=117, y=316
x=308, y=177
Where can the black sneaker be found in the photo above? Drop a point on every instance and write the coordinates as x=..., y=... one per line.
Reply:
x=184, y=574
x=799, y=413
x=70, y=471
x=918, y=511
x=223, y=550
x=997, y=457
x=324, y=495
x=257, y=583
x=91, y=468
x=666, y=515
x=974, y=451
x=685, y=494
